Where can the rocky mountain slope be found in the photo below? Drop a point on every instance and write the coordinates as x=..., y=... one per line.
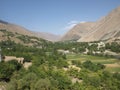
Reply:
x=78, y=31
x=107, y=28
x=21, y=30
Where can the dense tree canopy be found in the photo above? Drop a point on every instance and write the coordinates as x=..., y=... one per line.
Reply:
x=50, y=69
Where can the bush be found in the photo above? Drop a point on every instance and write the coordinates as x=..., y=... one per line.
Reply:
x=8, y=68
x=92, y=67
x=77, y=63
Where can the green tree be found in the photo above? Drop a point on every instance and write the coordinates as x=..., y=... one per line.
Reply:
x=43, y=84
x=8, y=68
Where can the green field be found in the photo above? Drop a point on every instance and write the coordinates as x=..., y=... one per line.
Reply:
x=113, y=69
x=96, y=59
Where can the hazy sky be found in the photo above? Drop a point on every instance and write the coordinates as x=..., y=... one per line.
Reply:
x=55, y=16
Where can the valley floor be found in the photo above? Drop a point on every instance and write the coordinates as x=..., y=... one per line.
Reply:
x=112, y=64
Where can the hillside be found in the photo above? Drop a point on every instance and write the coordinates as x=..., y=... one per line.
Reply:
x=107, y=28
x=78, y=31
x=23, y=31
x=47, y=36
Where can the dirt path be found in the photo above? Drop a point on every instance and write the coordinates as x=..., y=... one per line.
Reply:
x=112, y=65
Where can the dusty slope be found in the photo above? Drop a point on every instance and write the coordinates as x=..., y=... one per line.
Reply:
x=21, y=30
x=78, y=31
x=47, y=36
x=106, y=28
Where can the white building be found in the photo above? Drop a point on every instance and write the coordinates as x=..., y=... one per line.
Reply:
x=63, y=51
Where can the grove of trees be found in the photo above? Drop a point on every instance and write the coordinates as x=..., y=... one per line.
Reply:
x=47, y=73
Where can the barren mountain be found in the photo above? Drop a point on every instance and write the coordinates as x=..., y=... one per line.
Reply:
x=21, y=30
x=78, y=31
x=47, y=36
x=107, y=28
